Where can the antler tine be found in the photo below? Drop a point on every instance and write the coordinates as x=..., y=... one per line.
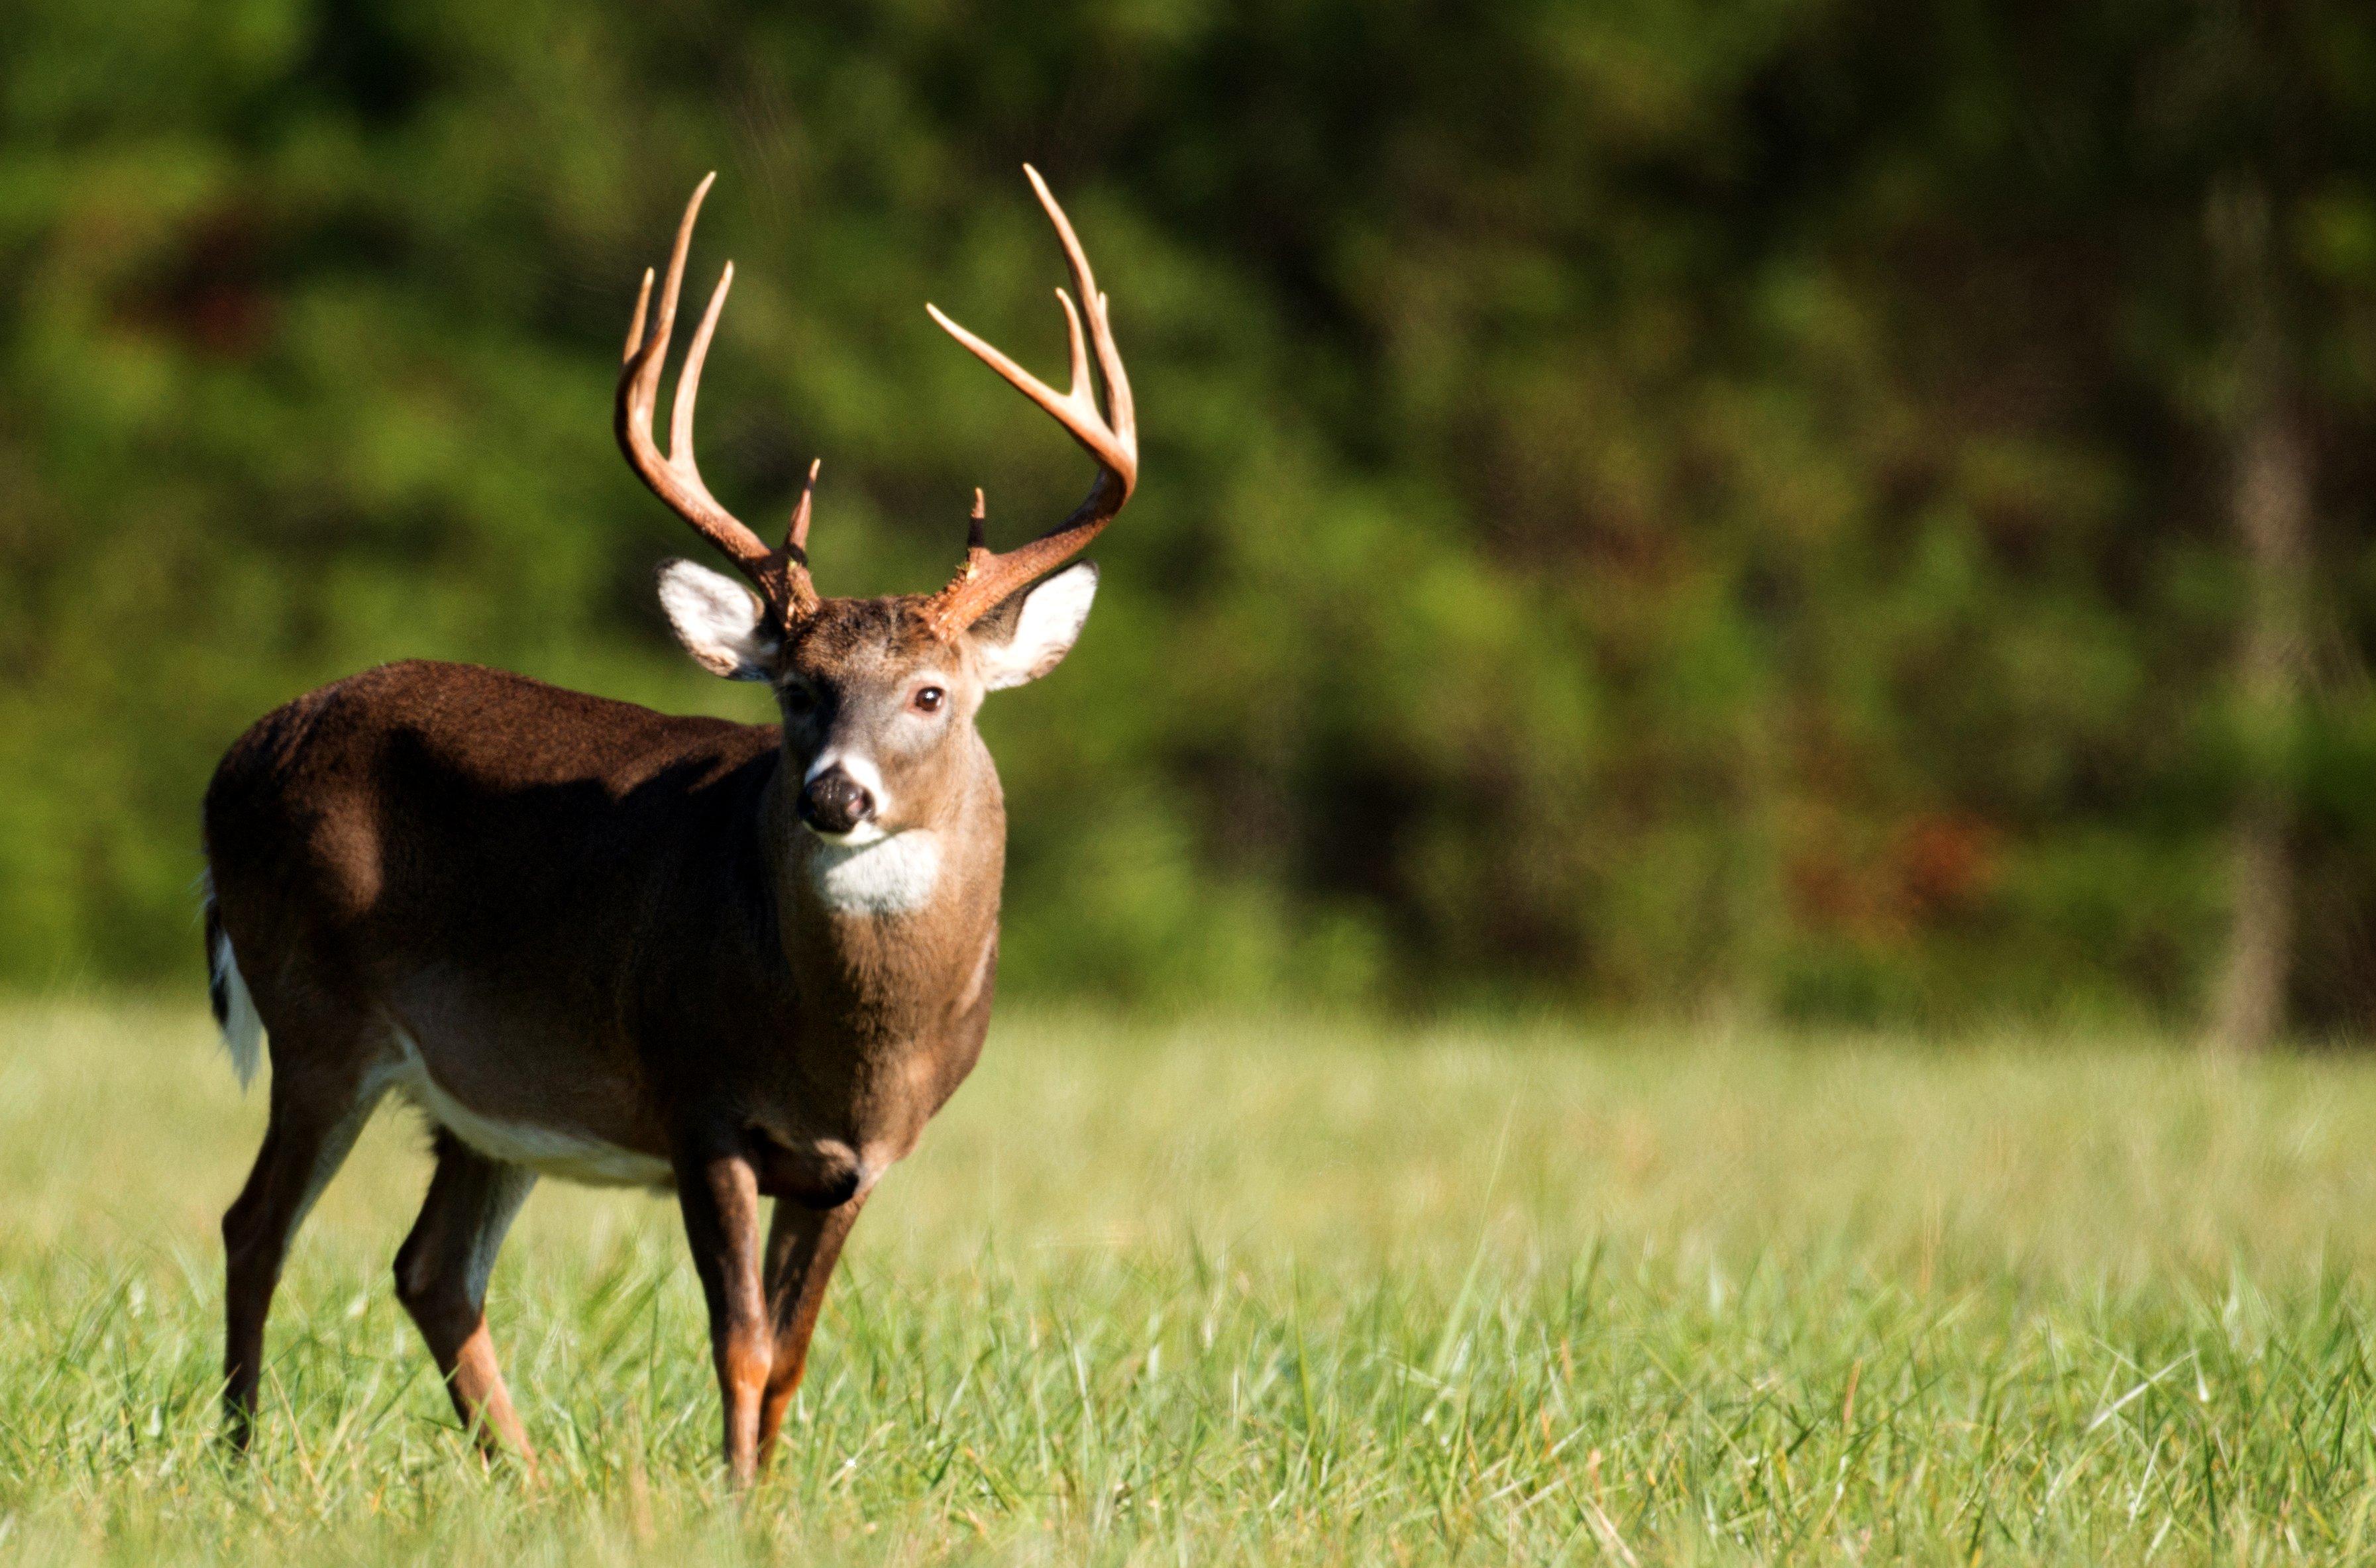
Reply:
x=1110, y=435
x=1093, y=300
x=636, y=323
x=797, y=540
x=780, y=575
x=688, y=380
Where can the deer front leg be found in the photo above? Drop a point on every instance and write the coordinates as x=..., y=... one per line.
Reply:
x=804, y=1244
x=719, y=1195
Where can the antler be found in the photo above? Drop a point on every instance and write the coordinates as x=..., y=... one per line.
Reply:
x=780, y=575
x=1112, y=439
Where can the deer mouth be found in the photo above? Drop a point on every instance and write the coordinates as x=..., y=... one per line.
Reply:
x=858, y=835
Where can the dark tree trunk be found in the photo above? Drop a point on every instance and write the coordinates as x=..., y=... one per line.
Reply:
x=2270, y=497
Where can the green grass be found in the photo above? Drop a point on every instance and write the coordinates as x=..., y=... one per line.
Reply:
x=1207, y=1293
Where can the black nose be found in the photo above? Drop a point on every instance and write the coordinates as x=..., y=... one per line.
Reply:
x=834, y=803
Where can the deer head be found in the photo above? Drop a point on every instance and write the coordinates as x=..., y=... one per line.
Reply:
x=878, y=695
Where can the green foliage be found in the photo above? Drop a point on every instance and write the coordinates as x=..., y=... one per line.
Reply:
x=1671, y=505
x=1277, y=1294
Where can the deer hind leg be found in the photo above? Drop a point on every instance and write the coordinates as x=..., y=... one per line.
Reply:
x=441, y=1277
x=316, y=1118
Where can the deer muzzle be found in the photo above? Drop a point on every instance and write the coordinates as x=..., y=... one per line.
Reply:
x=835, y=803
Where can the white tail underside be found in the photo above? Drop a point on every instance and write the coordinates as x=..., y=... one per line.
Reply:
x=242, y=1031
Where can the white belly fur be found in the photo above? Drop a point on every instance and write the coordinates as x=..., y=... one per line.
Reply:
x=569, y=1156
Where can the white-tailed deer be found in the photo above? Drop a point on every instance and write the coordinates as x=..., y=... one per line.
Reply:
x=604, y=944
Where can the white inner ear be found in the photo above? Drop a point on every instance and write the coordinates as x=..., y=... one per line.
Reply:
x=718, y=620
x=1044, y=632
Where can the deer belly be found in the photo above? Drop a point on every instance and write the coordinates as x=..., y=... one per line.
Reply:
x=570, y=1155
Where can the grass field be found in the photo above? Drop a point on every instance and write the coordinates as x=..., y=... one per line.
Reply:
x=1206, y=1293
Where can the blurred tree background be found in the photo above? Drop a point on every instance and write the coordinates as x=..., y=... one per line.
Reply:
x=1838, y=511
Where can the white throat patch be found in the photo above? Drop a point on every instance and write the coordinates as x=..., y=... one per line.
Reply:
x=890, y=876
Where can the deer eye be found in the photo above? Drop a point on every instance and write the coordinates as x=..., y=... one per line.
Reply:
x=928, y=699
x=798, y=698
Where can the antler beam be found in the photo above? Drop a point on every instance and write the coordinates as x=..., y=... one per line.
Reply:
x=1110, y=435
x=781, y=576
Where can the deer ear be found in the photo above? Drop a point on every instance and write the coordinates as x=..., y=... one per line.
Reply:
x=1030, y=631
x=718, y=621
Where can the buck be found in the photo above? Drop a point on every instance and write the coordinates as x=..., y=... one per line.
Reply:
x=603, y=944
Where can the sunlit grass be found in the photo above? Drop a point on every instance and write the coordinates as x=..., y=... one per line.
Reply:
x=1225, y=1292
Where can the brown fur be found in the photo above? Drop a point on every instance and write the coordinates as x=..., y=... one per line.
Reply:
x=596, y=919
